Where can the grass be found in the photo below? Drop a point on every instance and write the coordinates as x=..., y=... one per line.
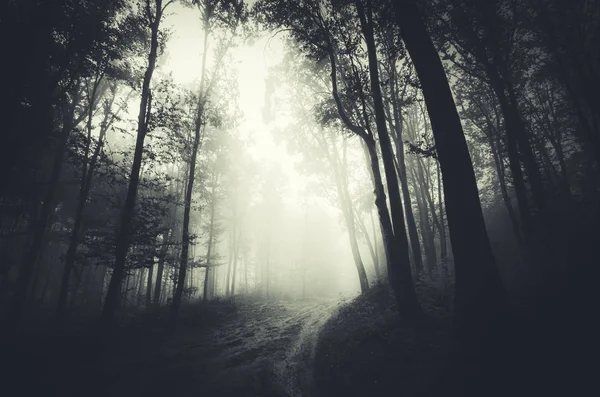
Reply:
x=366, y=349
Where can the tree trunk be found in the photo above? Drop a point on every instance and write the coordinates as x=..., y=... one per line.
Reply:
x=400, y=274
x=84, y=191
x=406, y=302
x=442, y=227
x=370, y=245
x=229, y=263
x=513, y=160
x=123, y=235
x=504, y=192
x=339, y=167
x=211, y=232
x=185, y=240
x=426, y=229
x=235, y=262
x=396, y=130
x=149, y=287
x=161, y=267
x=531, y=166
x=479, y=295
x=41, y=223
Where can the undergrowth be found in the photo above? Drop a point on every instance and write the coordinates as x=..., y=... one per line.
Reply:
x=366, y=348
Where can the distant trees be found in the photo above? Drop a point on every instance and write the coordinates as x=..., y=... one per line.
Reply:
x=461, y=108
x=227, y=15
x=152, y=13
x=324, y=35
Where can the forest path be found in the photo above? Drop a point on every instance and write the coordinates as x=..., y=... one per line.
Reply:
x=263, y=350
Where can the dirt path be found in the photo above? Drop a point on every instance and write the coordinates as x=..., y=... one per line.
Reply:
x=263, y=350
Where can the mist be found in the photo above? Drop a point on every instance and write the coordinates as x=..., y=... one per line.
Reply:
x=298, y=198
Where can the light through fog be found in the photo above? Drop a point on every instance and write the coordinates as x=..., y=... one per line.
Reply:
x=182, y=59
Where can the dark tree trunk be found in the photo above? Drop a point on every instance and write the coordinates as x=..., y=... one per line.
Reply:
x=123, y=235
x=211, y=232
x=229, y=263
x=400, y=272
x=41, y=223
x=149, y=287
x=479, y=295
x=84, y=191
x=504, y=192
x=370, y=245
x=236, y=251
x=376, y=247
x=529, y=161
x=339, y=167
x=396, y=130
x=421, y=191
x=185, y=240
x=442, y=226
x=161, y=267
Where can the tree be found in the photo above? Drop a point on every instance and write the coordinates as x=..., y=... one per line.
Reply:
x=325, y=33
x=479, y=293
x=153, y=12
x=319, y=141
x=89, y=165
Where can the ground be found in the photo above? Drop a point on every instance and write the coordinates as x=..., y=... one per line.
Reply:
x=252, y=349
x=311, y=348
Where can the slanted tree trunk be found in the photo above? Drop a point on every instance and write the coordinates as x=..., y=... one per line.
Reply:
x=371, y=245
x=123, y=235
x=479, y=295
x=406, y=297
x=400, y=271
x=339, y=166
x=396, y=130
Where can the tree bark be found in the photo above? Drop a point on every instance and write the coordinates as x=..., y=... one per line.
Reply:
x=123, y=235
x=236, y=251
x=479, y=295
x=396, y=130
x=400, y=271
x=87, y=176
x=185, y=240
x=161, y=267
x=442, y=227
x=370, y=245
x=339, y=167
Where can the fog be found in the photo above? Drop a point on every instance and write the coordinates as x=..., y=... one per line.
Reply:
x=275, y=202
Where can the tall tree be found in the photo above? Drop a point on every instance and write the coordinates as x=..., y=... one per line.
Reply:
x=228, y=14
x=153, y=12
x=479, y=293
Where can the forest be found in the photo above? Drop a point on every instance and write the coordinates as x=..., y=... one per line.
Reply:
x=299, y=198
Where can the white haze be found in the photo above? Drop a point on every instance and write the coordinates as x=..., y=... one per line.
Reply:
x=313, y=235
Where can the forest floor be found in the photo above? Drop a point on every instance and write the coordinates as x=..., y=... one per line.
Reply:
x=242, y=349
x=366, y=349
